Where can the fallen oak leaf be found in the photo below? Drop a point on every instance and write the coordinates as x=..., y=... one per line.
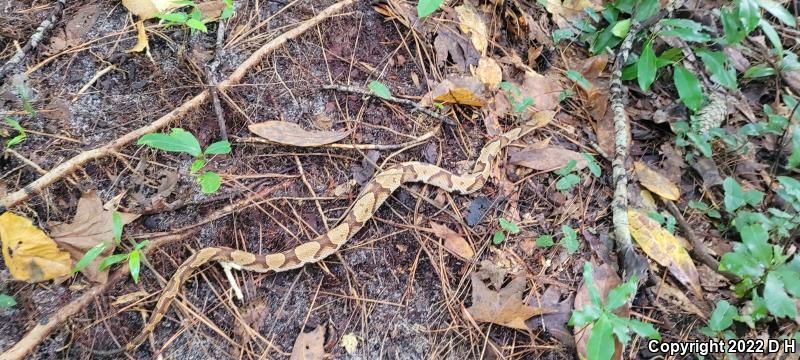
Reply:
x=91, y=225
x=656, y=182
x=286, y=133
x=546, y=158
x=310, y=345
x=453, y=241
x=503, y=307
x=29, y=253
x=663, y=247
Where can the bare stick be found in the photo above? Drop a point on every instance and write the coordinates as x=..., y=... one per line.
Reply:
x=72, y=164
x=35, y=39
x=413, y=105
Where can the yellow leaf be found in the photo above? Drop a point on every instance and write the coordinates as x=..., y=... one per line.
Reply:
x=471, y=23
x=457, y=90
x=141, y=38
x=349, y=342
x=29, y=253
x=664, y=248
x=147, y=9
x=489, y=72
x=656, y=182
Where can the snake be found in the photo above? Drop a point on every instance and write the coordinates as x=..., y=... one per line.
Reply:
x=369, y=200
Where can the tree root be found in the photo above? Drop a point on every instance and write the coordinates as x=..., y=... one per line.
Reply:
x=75, y=162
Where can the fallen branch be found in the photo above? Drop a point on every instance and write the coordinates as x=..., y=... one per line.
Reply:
x=35, y=39
x=72, y=164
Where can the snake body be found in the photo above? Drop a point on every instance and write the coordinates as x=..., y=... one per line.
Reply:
x=367, y=203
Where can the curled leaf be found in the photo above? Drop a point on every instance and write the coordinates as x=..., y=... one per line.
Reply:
x=28, y=252
x=141, y=38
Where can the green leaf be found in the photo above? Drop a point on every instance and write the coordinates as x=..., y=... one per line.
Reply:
x=687, y=30
x=498, y=237
x=594, y=167
x=227, y=13
x=141, y=245
x=734, y=198
x=760, y=70
x=209, y=182
x=717, y=64
x=605, y=39
x=579, y=79
x=197, y=165
x=755, y=238
x=567, y=168
x=14, y=124
x=174, y=17
x=620, y=295
x=567, y=182
x=116, y=226
x=196, y=25
x=778, y=302
x=733, y=33
x=788, y=276
x=741, y=263
x=620, y=29
x=427, y=7
x=587, y=314
x=722, y=317
x=773, y=36
x=570, y=239
x=544, y=241
x=644, y=329
x=111, y=260
x=89, y=256
x=749, y=14
x=134, y=264
x=178, y=140
x=646, y=9
x=7, y=301
x=218, y=148
x=601, y=341
x=588, y=278
x=646, y=67
x=508, y=226
x=794, y=157
x=689, y=90
x=779, y=12
x=380, y=90
x=562, y=34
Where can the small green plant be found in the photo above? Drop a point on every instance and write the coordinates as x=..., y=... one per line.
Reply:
x=667, y=221
x=133, y=257
x=720, y=322
x=182, y=141
x=605, y=324
x=427, y=7
x=193, y=19
x=568, y=177
x=21, y=134
x=506, y=228
x=7, y=301
x=569, y=240
x=735, y=197
x=705, y=209
x=514, y=95
x=380, y=90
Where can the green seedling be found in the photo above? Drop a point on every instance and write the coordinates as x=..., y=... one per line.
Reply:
x=427, y=7
x=514, y=95
x=194, y=19
x=7, y=301
x=569, y=240
x=506, y=228
x=569, y=176
x=21, y=134
x=667, y=221
x=182, y=141
x=380, y=90
x=133, y=257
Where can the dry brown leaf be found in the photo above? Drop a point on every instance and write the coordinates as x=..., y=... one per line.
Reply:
x=471, y=23
x=459, y=50
x=675, y=297
x=91, y=225
x=211, y=9
x=309, y=346
x=81, y=23
x=605, y=279
x=57, y=109
x=503, y=307
x=147, y=9
x=543, y=89
x=567, y=12
x=253, y=319
x=489, y=72
x=287, y=133
x=457, y=90
x=129, y=297
x=29, y=253
x=594, y=66
x=656, y=182
x=141, y=38
x=546, y=158
x=453, y=241
x=556, y=323
x=661, y=246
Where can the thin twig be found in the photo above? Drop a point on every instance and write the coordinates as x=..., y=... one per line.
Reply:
x=413, y=105
x=234, y=78
x=35, y=39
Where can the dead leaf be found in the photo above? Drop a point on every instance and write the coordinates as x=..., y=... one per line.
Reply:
x=363, y=173
x=543, y=89
x=708, y=170
x=567, y=12
x=489, y=72
x=141, y=38
x=287, y=133
x=661, y=246
x=81, y=23
x=57, y=109
x=146, y=9
x=459, y=50
x=556, y=323
x=211, y=9
x=129, y=297
x=456, y=90
x=90, y=226
x=309, y=346
x=674, y=297
x=594, y=66
x=453, y=241
x=656, y=182
x=605, y=279
x=471, y=23
x=502, y=307
x=253, y=319
x=29, y=253
x=546, y=158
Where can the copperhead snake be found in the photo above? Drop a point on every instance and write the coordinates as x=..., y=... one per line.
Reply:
x=374, y=194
